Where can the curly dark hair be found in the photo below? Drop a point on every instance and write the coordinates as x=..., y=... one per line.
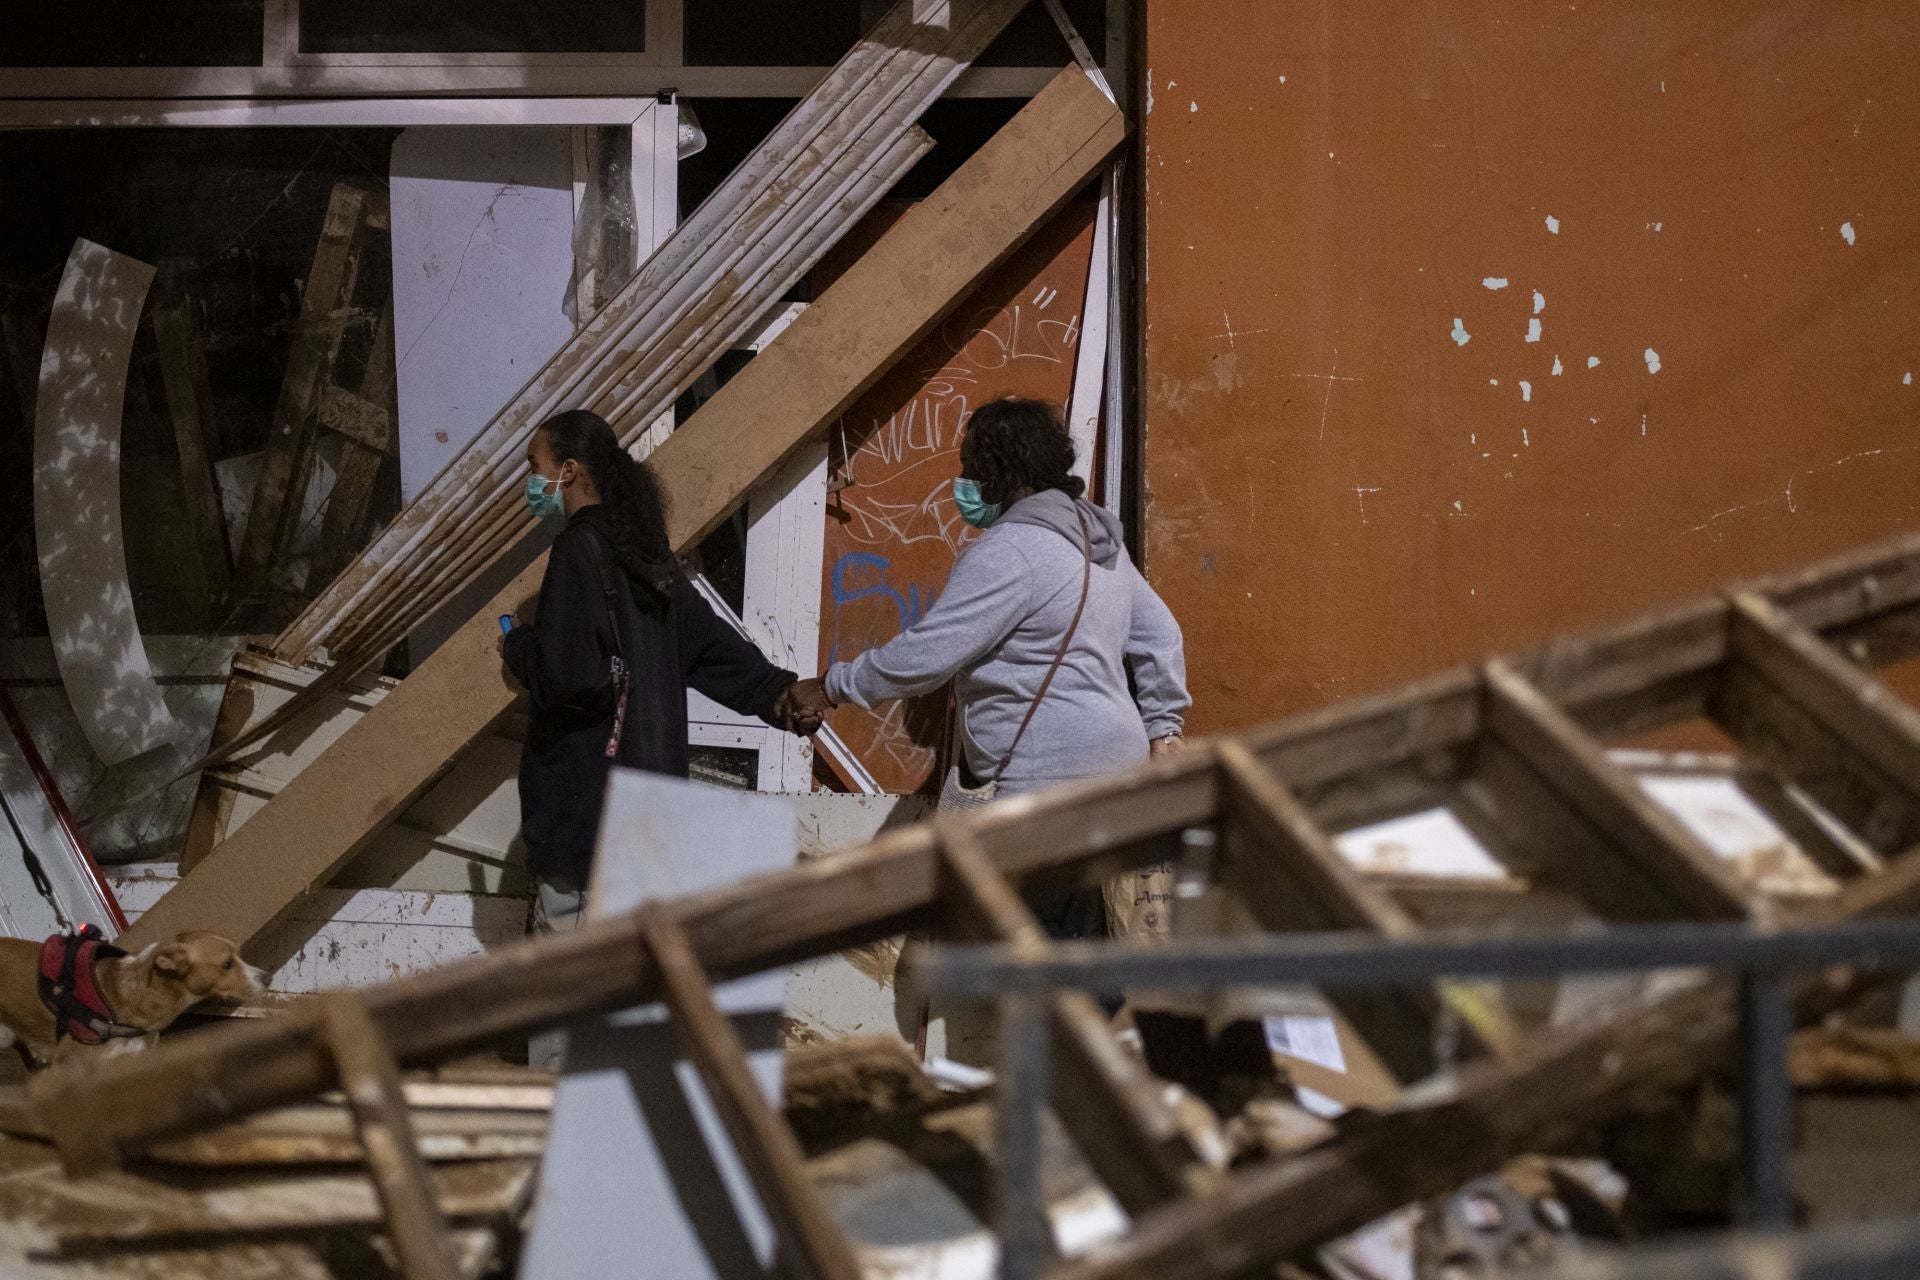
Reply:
x=1014, y=444
x=636, y=510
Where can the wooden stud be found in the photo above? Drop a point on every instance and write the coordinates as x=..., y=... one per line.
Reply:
x=371, y=1081
x=325, y=303
x=1641, y=834
x=766, y=1146
x=1104, y=1096
x=1292, y=878
x=183, y=371
x=367, y=422
x=1806, y=711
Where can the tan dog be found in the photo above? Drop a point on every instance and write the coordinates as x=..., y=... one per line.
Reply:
x=146, y=991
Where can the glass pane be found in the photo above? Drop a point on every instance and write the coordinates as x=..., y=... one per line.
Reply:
x=134, y=33
x=464, y=26
x=816, y=33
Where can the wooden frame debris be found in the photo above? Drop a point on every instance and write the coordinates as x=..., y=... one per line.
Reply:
x=805, y=378
x=701, y=291
x=1801, y=635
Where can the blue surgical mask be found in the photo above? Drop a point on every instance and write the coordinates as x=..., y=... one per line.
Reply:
x=974, y=509
x=546, y=506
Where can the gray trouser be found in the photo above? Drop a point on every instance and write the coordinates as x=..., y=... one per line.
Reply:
x=559, y=906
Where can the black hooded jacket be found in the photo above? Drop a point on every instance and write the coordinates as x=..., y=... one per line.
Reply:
x=670, y=639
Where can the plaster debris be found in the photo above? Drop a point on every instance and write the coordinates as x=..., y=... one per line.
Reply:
x=1593, y=362
x=1553, y=225
x=1556, y=366
x=1846, y=232
x=1539, y=302
x=1533, y=329
x=1526, y=397
x=1460, y=335
x=1653, y=360
x=1495, y=282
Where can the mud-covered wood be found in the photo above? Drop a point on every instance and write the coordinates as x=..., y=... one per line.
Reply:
x=810, y=1241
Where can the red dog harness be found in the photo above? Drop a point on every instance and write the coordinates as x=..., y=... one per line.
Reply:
x=70, y=991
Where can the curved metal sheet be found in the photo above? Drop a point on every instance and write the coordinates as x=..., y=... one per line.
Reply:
x=76, y=504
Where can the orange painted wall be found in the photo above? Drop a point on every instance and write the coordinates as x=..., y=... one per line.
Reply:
x=1359, y=467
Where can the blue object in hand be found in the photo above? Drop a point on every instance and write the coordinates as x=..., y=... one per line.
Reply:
x=506, y=623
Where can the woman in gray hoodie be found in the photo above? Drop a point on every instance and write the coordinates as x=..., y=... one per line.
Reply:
x=1120, y=693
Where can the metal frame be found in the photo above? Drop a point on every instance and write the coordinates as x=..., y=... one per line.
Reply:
x=1016, y=979
x=1514, y=742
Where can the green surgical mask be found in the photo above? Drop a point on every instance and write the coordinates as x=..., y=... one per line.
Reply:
x=546, y=506
x=974, y=509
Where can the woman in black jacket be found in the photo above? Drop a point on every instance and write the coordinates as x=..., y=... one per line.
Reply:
x=619, y=637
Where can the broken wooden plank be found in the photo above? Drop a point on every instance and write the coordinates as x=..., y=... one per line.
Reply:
x=828, y=904
x=1818, y=719
x=1688, y=879
x=326, y=303
x=371, y=1081
x=183, y=372
x=321, y=1134
x=1565, y=1080
x=836, y=348
x=765, y=1145
x=366, y=421
x=1112, y=1106
x=76, y=504
x=1287, y=872
x=702, y=290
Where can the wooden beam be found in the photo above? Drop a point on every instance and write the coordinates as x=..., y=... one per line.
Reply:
x=1579, y=1076
x=1802, y=709
x=371, y=1081
x=812, y=1242
x=1641, y=835
x=1104, y=1095
x=821, y=363
x=325, y=303
x=1286, y=870
x=100, y=1111
x=703, y=289
x=366, y=420
x=183, y=372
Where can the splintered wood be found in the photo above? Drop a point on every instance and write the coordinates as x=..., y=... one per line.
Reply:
x=1513, y=745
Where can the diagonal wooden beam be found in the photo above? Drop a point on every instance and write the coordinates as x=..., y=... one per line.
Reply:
x=815, y=1249
x=1109, y=1102
x=1287, y=871
x=1684, y=878
x=834, y=351
x=371, y=1080
x=1801, y=708
x=100, y=1111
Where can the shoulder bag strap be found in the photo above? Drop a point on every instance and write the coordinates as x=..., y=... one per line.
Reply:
x=1066, y=642
x=603, y=555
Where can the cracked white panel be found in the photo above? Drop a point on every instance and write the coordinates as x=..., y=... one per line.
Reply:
x=76, y=504
x=482, y=264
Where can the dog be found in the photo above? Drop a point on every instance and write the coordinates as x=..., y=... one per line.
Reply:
x=129, y=998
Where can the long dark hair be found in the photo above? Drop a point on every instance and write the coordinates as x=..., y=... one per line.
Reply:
x=636, y=511
x=1014, y=444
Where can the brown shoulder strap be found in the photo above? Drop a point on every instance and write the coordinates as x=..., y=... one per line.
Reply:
x=1066, y=642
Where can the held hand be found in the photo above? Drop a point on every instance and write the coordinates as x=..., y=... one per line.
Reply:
x=1171, y=745
x=803, y=707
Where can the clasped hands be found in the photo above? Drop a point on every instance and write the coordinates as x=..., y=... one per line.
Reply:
x=802, y=707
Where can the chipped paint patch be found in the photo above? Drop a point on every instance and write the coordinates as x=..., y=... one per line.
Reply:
x=1495, y=283
x=1593, y=362
x=1539, y=302
x=1460, y=335
x=1908, y=380
x=1556, y=366
x=1526, y=397
x=1192, y=107
x=1533, y=329
x=1846, y=232
x=1553, y=225
x=1653, y=360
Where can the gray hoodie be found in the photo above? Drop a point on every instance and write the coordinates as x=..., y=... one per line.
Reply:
x=995, y=630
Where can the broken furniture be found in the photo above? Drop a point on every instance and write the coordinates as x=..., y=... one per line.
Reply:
x=1512, y=745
